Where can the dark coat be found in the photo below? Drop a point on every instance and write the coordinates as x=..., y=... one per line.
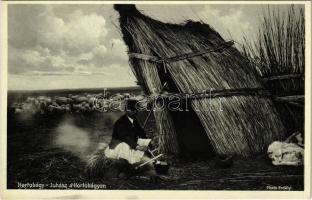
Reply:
x=125, y=131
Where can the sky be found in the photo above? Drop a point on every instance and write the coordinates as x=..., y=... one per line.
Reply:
x=80, y=46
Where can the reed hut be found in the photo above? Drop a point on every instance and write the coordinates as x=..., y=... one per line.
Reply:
x=188, y=60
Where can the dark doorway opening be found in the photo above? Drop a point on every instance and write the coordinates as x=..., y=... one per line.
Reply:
x=192, y=137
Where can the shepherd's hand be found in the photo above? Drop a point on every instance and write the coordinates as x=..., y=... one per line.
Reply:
x=141, y=148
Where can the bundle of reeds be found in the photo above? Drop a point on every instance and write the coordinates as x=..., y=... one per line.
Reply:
x=278, y=53
x=246, y=124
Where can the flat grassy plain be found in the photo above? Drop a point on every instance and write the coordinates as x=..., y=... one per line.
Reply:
x=54, y=149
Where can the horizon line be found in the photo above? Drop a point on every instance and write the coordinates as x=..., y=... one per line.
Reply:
x=58, y=89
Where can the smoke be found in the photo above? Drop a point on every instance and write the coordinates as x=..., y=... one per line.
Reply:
x=83, y=142
x=73, y=139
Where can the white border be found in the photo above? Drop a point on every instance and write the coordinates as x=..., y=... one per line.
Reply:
x=152, y=194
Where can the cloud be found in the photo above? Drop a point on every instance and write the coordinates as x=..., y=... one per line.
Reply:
x=77, y=42
x=116, y=50
x=80, y=33
x=31, y=57
x=37, y=59
x=230, y=22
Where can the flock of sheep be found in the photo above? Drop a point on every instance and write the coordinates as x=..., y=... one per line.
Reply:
x=68, y=104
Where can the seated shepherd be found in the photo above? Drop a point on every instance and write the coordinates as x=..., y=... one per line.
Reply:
x=124, y=142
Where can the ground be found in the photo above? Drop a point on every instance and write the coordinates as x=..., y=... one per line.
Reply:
x=34, y=156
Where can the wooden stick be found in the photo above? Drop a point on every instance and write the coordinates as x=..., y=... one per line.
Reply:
x=180, y=57
x=281, y=77
x=144, y=57
x=152, y=159
x=290, y=98
x=221, y=93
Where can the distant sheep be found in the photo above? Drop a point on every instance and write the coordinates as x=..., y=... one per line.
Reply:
x=71, y=103
x=63, y=100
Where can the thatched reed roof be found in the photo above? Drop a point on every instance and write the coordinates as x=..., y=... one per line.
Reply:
x=246, y=125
